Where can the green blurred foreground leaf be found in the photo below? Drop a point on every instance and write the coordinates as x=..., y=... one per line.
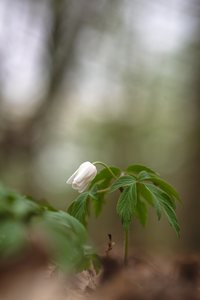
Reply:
x=65, y=237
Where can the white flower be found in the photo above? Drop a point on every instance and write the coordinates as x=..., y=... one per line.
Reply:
x=82, y=176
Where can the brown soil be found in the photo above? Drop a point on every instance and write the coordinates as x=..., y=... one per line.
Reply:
x=150, y=280
x=143, y=279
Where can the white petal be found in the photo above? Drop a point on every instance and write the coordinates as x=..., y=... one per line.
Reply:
x=85, y=171
x=83, y=187
x=82, y=166
x=82, y=176
x=80, y=186
x=71, y=178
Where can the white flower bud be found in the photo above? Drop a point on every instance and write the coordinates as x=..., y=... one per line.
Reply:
x=82, y=176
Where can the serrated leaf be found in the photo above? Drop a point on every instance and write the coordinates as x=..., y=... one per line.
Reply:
x=136, y=169
x=98, y=201
x=163, y=185
x=169, y=200
x=123, y=181
x=97, y=196
x=156, y=202
x=141, y=211
x=166, y=204
x=126, y=204
x=143, y=175
x=171, y=216
x=165, y=197
x=146, y=194
x=166, y=187
x=79, y=208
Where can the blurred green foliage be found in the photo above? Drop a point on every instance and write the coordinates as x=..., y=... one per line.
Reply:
x=65, y=239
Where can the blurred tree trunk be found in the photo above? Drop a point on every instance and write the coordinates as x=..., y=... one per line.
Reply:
x=24, y=141
x=68, y=17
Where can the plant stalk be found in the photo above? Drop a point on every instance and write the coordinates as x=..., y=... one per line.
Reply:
x=126, y=242
x=105, y=166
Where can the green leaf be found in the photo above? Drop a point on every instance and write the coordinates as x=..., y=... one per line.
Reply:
x=141, y=211
x=166, y=187
x=164, y=197
x=171, y=215
x=166, y=204
x=24, y=208
x=163, y=185
x=79, y=208
x=143, y=175
x=136, y=169
x=17, y=206
x=151, y=189
x=66, y=238
x=100, y=183
x=12, y=238
x=169, y=200
x=64, y=220
x=146, y=194
x=98, y=201
x=123, y=181
x=105, y=175
x=126, y=204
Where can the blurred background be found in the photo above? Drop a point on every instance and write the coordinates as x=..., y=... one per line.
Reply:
x=116, y=81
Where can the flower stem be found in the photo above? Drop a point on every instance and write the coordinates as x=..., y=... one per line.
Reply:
x=126, y=240
x=126, y=231
x=105, y=166
x=103, y=190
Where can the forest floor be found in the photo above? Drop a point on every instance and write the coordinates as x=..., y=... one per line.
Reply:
x=143, y=279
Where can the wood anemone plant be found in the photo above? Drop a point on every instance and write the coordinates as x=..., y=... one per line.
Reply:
x=139, y=187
